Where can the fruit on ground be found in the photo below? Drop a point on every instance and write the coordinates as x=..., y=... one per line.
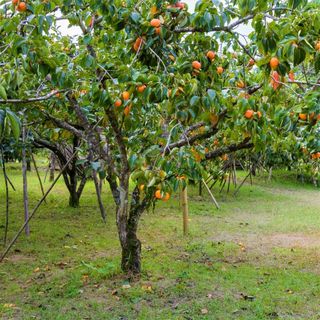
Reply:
x=317, y=47
x=125, y=95
x=156, y=23
x=118, y=103
x=274, y=62
x=196, y=65
x=157, y=30
x=249, y=114
x=219, y=70
x=259, y=114
x=211, y=55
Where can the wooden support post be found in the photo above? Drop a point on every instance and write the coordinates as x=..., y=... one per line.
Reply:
x=185, y=210
x=25, y=180
x=211, y=195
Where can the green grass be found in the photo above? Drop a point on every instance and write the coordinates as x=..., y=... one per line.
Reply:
x=255, y=258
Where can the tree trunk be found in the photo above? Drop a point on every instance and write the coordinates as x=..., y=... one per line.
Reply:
x=74, y=199
x=52, y=166
x=131, y=254
x=28, y=164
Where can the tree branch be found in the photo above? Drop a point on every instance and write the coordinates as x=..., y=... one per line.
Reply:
x=245, y=144
x=29, y=100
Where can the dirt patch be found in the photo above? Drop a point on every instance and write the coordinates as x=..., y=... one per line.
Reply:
x=18, y=257
x=266, y=242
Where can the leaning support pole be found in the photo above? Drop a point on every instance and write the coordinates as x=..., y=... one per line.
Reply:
x=7, y=198
x=211, y=195
x=25, y=180
x=35, y=209
x=185, y=210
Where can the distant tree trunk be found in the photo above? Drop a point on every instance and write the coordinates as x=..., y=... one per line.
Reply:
x=52, y=166
x=28, y=164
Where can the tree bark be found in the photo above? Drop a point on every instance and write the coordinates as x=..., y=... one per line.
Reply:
x=131, y=254
x=52, y=166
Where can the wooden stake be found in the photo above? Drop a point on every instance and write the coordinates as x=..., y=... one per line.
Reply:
x=185, y=210
x=212, y=197
x=7, y=198
x=25, y=180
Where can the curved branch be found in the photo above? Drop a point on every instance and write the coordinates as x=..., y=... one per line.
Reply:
x=245, y=144
x=29, y=100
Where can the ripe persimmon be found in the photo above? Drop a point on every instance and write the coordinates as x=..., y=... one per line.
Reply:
x=196, y=65
x=240, y=84
x=157, y=194
x=118, y=103
x=180, y=5
x=127, y=110
x=275, y=78
x=303, y=116
x=126, y=95
x=291, y=76
x=251, y=62
x=274, y=62
x=166, y=197
x=317, y=46
x=220, y=70
x=156, y=23
x=211, y=55
x=249, y=114
x=138, y=44
x=22, y=7
x=141, y=88
x=259, y=114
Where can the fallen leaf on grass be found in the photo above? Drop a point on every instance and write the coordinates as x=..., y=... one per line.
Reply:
x=36, y=270
x=9, y=305
x=204, y=311
x=146, y=287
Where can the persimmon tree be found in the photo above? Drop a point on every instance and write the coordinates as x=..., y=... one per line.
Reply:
x=152, y=92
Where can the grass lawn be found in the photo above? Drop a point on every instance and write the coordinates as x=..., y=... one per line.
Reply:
x=255, y=258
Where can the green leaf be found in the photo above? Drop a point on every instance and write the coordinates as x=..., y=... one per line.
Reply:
x=3, y=93
x=299, y=55
x=14, y=124
x=194, y=101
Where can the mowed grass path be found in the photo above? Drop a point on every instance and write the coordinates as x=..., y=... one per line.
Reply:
x=256, y=258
